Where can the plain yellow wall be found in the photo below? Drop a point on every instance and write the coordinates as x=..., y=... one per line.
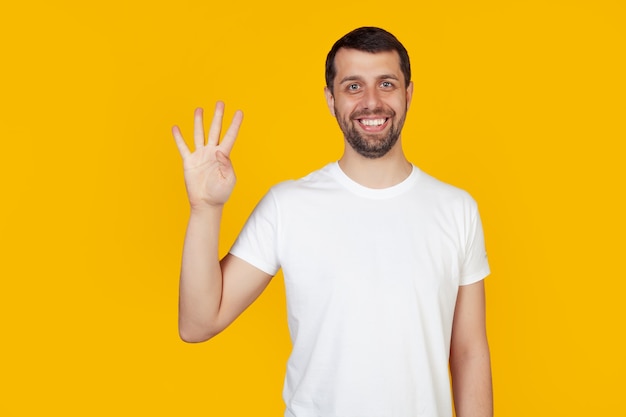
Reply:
x=519, y=102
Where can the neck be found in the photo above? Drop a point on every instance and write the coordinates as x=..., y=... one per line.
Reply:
x=383, y=172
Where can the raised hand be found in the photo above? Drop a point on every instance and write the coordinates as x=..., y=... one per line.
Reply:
x=209, y=174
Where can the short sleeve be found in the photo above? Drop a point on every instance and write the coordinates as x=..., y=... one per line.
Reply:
x=475, y=263
x=257, y=241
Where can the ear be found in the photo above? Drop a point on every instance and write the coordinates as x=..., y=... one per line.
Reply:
x=330, y=101
x=409, y=94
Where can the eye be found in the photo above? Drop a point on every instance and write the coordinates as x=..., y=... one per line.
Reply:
x=353, y=87
x=386, y=84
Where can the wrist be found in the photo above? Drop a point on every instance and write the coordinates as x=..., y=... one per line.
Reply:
x=205, y=209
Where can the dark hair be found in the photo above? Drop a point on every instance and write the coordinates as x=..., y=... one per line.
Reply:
x=372, y=40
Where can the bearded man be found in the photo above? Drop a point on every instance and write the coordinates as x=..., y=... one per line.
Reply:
x=383, y=264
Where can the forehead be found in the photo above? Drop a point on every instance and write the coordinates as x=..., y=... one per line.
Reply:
x=355, y=63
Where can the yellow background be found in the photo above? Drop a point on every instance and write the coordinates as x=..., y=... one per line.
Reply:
x=522, y=103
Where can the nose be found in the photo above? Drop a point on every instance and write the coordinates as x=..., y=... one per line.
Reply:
x=371, y=99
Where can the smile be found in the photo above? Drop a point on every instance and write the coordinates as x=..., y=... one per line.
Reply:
x=372, y=122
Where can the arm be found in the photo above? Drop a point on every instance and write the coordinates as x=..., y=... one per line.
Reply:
x=212, y=293
x=470, y=365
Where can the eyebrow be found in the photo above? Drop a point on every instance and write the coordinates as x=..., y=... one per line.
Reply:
x=359, y=78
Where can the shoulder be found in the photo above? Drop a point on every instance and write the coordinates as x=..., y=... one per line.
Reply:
x=436, y=186
x=321, y=179
x=444, y=194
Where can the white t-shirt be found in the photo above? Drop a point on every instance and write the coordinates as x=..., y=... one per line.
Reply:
x=371, y=277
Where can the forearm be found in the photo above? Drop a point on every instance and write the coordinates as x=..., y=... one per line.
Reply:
x=201, y=276
x=471, y=382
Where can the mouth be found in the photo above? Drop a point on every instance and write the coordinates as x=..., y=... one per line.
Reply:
x=373, y=124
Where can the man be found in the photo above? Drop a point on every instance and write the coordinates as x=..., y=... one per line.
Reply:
x=383, y=264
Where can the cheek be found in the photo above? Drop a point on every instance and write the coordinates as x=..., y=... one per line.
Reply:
x=342, y=111
x=400, y=105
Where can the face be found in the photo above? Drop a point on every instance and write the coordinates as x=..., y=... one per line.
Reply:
x=370, y=100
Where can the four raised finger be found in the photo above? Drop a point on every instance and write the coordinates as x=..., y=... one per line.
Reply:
x=216, y=124
x=180, y=142
x=198, y=128
x=231, y=134
x=227, y=142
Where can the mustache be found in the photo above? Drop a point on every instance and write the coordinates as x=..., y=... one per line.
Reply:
x=379, y=111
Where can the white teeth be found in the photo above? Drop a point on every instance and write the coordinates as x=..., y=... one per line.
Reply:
x=372, y=122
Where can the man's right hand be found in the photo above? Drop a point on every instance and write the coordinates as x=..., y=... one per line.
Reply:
x=209, y=174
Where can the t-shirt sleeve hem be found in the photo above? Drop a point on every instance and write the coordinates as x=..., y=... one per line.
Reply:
x=476, y=276
x=257, y=263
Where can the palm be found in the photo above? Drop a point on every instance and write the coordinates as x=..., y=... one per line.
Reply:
x=209, y=175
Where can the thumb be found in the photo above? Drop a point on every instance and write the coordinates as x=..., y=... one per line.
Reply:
x=222, y=158
x=224, y=161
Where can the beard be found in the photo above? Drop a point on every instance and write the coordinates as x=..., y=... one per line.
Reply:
x=374, y=145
